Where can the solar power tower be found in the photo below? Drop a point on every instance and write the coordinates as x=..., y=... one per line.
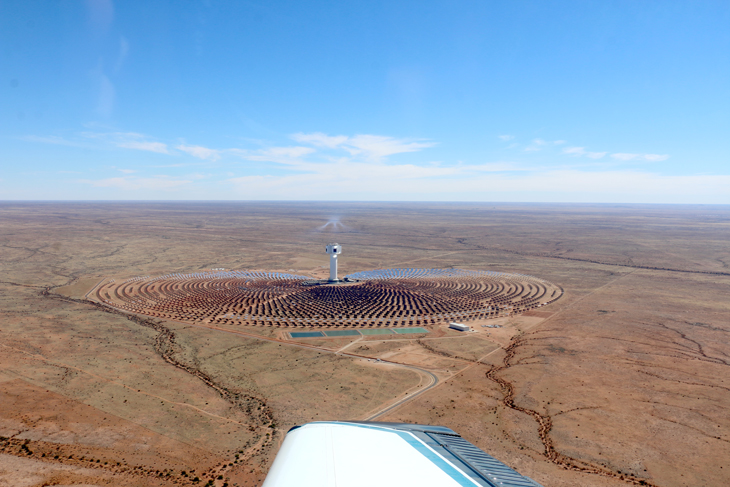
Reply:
x=334, y=249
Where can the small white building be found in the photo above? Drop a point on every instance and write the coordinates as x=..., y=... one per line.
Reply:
x=459, y=326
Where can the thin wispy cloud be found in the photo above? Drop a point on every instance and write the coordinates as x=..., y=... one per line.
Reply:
x=158, y=147
x=100, y=15
x=656, y=157
x=348, y=175
x=535, y=145
x=129, y=140
x=574, y=151
x=180, y=164
x=123, y=53
x=539, y=144
x=619, y=156
x=369, y=146
x=51, y=139
x=380, y=146
x=200, y=152
x=290, y=152
x=106, y=93
x=491, y=167
x=566, y=185
x=282, y=155
x=623, y=156
x=506, y=138
x=124, y=140
x=361, y=163
x=580, y=151
x=319, y=139
x=364, y=160
x=131, y=183
x=364, y=165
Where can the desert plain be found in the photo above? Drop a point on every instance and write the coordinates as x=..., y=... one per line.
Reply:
x=624, y=380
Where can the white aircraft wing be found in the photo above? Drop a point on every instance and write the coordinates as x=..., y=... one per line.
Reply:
x=372, y=454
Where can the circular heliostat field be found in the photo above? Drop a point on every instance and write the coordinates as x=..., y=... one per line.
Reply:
x=386, y=297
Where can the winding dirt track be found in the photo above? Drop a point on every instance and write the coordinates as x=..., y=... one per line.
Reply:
x=165, y=340
x=544, y=421
x=253, y=406
x=383, y=297
x=429, y=375
x=545, y=424
x=434, y=383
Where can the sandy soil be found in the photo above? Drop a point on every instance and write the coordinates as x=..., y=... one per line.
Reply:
x=620, y=382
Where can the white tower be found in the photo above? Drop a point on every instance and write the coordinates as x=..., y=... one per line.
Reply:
x=334, y=249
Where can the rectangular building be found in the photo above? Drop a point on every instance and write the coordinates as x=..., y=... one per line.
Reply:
x=459, y=326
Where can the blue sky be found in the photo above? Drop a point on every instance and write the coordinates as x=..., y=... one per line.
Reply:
x=540, y=101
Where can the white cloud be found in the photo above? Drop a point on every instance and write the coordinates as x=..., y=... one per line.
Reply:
x=123, y=53
x=101, y=14
x=182, y=164
x=656, y=157
x=345, y=175
x=622, y=156
x=51, y=139
x=292, y=152
x=354, y=167
x=320, y=140
x=128, y=140
x=408, y=182
x=369, y=146
x=536, y=145
x=506, y=138
x=106, y=96
x=131, y=183
x=380, y=146
x=200, y=152
x=574, y=151
x=628, y=183
x=282, y=155
x=492, y=167
x=158, y=147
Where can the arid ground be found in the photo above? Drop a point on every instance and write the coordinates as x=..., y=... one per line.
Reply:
x=625, y=380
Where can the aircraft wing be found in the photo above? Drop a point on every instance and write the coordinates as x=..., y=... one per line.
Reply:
x=372, y=454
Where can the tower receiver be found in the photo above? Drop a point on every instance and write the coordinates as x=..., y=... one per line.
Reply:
x=334, y=249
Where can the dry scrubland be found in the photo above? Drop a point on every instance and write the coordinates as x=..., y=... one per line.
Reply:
x=622, y=381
